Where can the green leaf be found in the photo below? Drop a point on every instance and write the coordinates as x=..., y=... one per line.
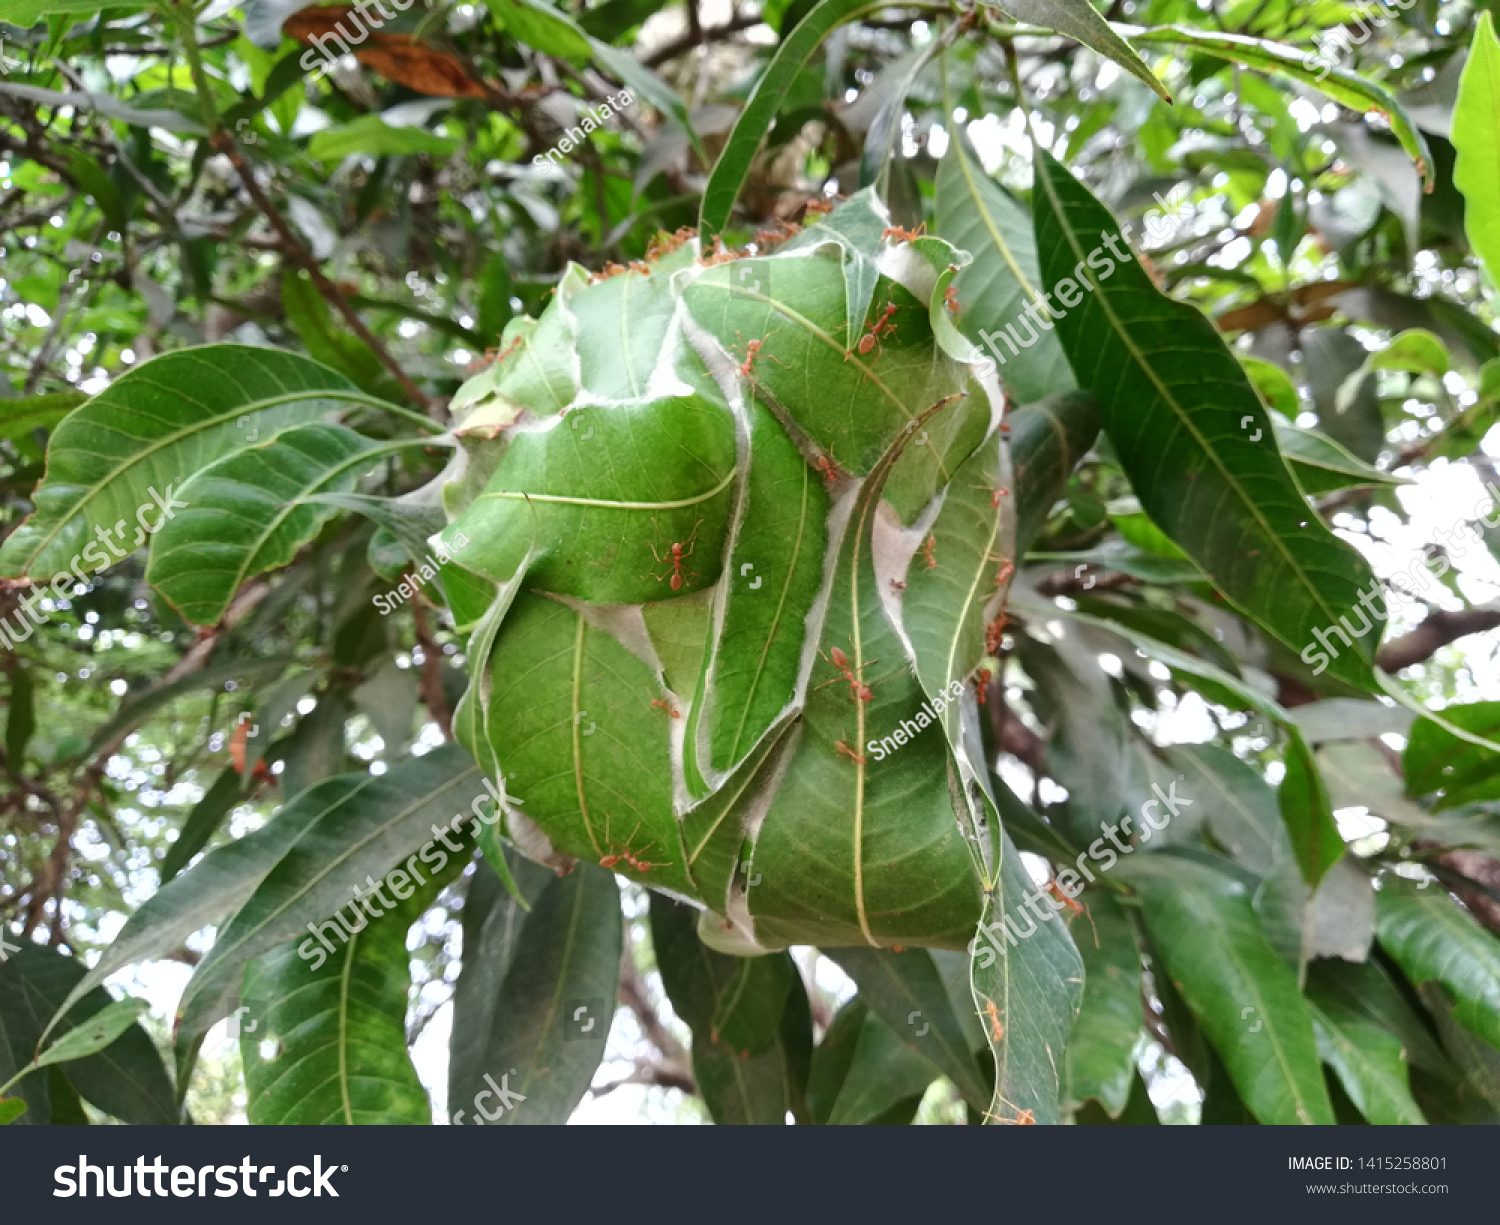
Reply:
x=492, y=922
x=1476, y=136
x=123, y=1076
x=202, y=822
x=1101, y=1048
x=542, y=27
x=219, y=884
x=18, y=418
x=548, y=1029
x=11, y=1109
x=760, y=111
x=1371, y=1065
x=331, y=1045
x=20, y=721
x=1079, y=20
x=93, y=1035
x=1175, y=402
x=360, y=826
x=1347, y=88
x=1027, y=979
x=634, y=74
x=1433, y=940
x=1460, y=772
x=863, y=1073
x=1321, y=464
x=979, y=217
x=783, y=542
x=748, y=1013
x=1308, y=814
x=907, y=993
x=371, y=135
x=151, y=429
x=761, y=1088
x=1367, y=994
x=244, y=515
x=1242, y=994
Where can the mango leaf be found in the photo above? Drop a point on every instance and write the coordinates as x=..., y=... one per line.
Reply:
x=330, y=1046
x=1175, y=401
x=202, y=822
x=1101, y=1048
x=748, y=1013
x=18, y=418
x=151, y=429
x=980, y=217
x=1476, y=136
x=218, y=885
x=1371, y=1065
x=360, y=826
x=907, y=993
x=758, y=1088
x=116, y=1068
x=492, y=922
x=244, y=517
x=760, y=111
x=372, y=136
x=1347, y=88
x=1432, y=939
x=1243, y=995
x=11, y=1109
x=1367, y=994
x=1079, y=20
x=1027, y=980
x=93, y=1035
x=548, y=1030
x=1437, y=761
x=1321, y=464
x=862, y=1073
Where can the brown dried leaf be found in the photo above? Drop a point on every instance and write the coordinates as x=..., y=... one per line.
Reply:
x=399, y=58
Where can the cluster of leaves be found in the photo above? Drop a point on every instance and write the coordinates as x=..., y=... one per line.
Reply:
x=712, y=527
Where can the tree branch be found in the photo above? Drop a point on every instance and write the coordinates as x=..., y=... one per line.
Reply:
x=1436, y=631
x=292, y=246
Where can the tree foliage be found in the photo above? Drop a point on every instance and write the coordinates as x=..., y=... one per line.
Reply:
x=838, y=562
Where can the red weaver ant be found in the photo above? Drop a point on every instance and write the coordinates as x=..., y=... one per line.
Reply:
x=857, y=688
x=751, y=349
x=830, y=470
x=677, y=553
x=902, y=234
x=993, y=632
x=1073, y=906
x=659, y=704
x=982, y=686
x=883, y=326
x=630, y=857
x=950, y=299
x=1004, y=573
x=856, y=758
x=926, y=551
x=996, y=1029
